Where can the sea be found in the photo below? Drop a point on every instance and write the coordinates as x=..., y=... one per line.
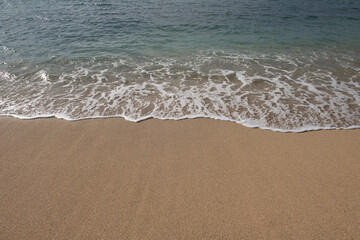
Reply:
x=284, y=65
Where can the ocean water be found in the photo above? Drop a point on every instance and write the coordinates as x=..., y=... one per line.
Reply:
x=285, y=65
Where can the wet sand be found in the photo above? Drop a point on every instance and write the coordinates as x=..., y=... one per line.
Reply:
x=189, y=179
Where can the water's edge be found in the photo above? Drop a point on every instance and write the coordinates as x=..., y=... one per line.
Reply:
x=243, y=122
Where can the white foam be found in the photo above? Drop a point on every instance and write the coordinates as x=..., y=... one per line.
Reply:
x=288, y=94
x=43, y=76
x=6, y=75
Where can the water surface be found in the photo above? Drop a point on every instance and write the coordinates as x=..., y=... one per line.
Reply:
x=284, y=65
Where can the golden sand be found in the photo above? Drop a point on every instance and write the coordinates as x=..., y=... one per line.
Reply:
x=190, y=179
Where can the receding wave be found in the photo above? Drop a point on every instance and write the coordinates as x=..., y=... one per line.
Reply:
x=294, y=91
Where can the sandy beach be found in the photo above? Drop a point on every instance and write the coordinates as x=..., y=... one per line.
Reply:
x=189, y=179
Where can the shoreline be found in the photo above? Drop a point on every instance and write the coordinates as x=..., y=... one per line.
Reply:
x=190, y=179
x=242, y=123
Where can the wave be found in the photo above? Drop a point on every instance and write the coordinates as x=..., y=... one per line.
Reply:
x=288, y=92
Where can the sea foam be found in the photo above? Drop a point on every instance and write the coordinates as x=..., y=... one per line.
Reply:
x=282, y=92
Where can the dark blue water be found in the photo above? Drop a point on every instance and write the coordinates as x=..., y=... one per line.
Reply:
x=285, y=65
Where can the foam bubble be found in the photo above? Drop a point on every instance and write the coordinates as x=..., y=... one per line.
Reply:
x=43, y=76
x=6, y=76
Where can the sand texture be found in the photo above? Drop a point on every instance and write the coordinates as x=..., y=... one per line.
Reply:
x=190, y=179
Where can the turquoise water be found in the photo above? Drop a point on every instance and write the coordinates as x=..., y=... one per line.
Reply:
x=284, y=65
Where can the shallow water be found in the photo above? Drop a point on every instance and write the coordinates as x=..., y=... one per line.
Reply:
x=282, y=65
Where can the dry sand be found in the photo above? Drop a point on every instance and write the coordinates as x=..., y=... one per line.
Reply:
x=190, y=179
